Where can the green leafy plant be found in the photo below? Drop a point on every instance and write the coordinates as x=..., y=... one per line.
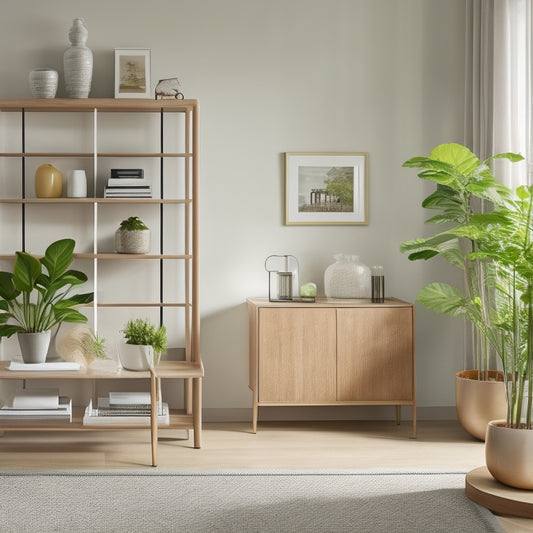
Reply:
x=499, y=287
x=143, y=332
x=466, y=187
x=33, y=299
x=133, y=224
x=93, y=345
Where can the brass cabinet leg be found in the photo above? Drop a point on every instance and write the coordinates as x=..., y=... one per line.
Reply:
x=398, y=415
x=197, y=410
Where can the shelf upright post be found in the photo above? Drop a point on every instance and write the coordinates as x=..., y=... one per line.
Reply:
x=23, y=162
x=95, y=221
x=161, y=211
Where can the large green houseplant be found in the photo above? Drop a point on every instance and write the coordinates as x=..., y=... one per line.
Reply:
x=466, y=193
x=33, y=299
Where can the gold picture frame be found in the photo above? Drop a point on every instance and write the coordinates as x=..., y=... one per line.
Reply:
x=326, y=188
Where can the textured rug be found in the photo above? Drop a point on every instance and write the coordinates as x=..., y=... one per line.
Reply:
x=170, y=501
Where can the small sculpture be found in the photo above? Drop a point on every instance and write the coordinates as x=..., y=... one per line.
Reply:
x=168, y=88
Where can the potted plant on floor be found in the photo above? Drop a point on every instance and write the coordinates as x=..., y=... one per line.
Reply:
x=132, y=237
x=145, y=342
x=33, y=300
x=465, y=188
x=507, y=241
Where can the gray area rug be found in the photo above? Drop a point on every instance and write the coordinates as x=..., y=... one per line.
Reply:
x=169, y=501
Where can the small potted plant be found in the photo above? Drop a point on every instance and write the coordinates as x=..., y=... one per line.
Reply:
x=145, y=343
x=132, y=237
x=33, y=300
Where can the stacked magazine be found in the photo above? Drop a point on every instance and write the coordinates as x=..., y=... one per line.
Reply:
x=125, y=408
x=128, y=183
x=37, y=403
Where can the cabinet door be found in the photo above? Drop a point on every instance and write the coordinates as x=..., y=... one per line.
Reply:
x=375, y=354
x=297, y=355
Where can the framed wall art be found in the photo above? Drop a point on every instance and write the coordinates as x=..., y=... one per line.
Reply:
x=132, y=73
x=326, y=188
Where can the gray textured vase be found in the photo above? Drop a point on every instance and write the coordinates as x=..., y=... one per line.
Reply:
x=43, y=82
x=78, y=62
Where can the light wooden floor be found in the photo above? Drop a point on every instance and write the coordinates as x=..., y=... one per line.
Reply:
x=442, y=445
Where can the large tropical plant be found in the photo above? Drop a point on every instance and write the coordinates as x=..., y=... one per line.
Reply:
x=506, y=239
x=33, y=299
x=466, y=188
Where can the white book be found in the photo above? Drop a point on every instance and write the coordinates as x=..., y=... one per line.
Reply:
x=37, y=398
x=129, y=398
x=92, y=418
x=64, y=411
x=43, y=367
x=124, y=182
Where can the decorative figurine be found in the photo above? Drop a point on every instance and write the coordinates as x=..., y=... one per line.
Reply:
x=168, y=88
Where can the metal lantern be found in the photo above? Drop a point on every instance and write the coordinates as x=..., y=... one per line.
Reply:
x=282, y=277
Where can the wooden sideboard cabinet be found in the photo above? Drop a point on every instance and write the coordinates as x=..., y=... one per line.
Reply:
x=332, y=352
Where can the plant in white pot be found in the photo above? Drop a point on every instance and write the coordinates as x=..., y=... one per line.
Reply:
x=132, y=237
x=33, y=300
x=465, y=188
x=506, y=239
x=145, y=342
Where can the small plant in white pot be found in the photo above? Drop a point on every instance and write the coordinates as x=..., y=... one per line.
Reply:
x=132, y=237
x=145, y=342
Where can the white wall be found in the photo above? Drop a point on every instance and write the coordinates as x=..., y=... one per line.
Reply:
x=272, y=76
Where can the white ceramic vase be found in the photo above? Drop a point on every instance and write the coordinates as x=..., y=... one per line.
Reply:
x=509, y=454
x=77, y=184
x=78, y=62
x=43, y=82
x=34, y=346
x=132, y=242
x=347, y=278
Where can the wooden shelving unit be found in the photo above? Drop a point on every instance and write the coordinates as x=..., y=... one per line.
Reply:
x=191, y=369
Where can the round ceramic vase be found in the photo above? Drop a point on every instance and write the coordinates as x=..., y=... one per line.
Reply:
x=347, y=278
x=77, y=184
x=43, y=82
x=48, y=182
x=78, y=62
x=132, y=242
x=509, y=454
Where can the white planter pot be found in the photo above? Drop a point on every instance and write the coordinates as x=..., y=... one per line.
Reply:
x=132, y=242
x=509, y=454
x=34, y=346
x=135, y=356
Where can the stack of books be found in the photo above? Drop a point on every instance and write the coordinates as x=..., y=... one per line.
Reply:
x=125, y=408
x=32, y=404
x=127, y=183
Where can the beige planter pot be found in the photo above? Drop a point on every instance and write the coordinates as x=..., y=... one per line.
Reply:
x=132, y=242
x=509, y=455
x=478, y=402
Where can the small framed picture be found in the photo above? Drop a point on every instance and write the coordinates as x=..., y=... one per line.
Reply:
x=132, y=73
x=326, y=188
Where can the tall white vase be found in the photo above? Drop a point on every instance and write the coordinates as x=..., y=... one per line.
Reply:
x=78, y=62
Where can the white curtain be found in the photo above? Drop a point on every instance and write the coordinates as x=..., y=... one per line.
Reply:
x=498, y=96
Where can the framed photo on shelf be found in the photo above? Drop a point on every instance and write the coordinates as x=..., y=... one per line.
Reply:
x=132, y=73
x=324, y=188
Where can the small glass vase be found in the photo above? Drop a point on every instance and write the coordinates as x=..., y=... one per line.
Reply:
x=347, y=278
